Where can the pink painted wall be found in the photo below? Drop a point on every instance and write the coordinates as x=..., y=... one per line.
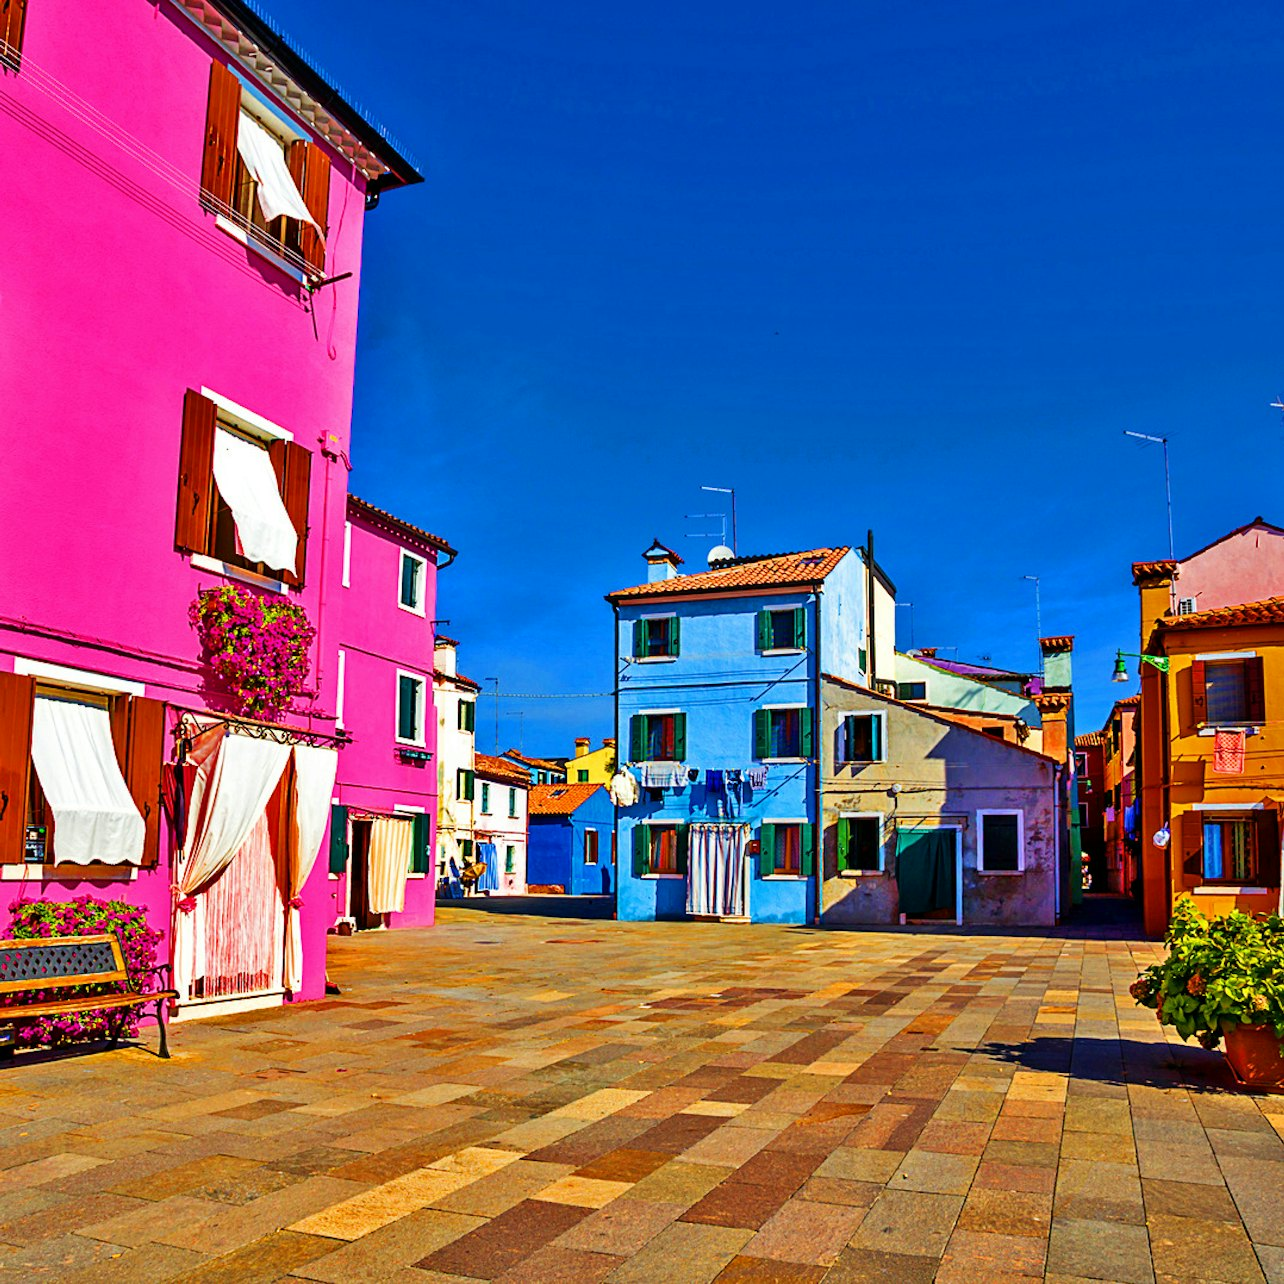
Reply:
x=1246, y=567
x=378, y=638
x=120, y=295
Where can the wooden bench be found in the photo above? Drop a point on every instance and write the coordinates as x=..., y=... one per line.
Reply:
x=56, y=962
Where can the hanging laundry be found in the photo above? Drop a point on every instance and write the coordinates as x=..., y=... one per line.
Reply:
x=693, y=774
x=664, y=775
x=1228, y=752
x=624, y=789
x=756, y=777
x=714, y=780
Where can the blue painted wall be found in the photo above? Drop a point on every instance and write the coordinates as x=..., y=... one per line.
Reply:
x=555, y=848
x=718, y=680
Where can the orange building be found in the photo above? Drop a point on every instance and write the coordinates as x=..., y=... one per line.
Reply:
x=1210, y=755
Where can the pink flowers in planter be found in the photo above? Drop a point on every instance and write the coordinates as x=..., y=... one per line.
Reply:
x=257, y=644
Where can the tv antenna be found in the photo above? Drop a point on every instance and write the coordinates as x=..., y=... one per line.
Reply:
x=727, y=490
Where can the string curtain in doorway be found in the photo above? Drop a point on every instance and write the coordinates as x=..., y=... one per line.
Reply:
x=314, y=772
x=716, y=870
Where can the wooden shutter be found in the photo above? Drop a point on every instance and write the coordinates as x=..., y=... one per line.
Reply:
x=640, y=854
x=679, y=737
x=1254, y=690
x=310, y=169
x=293, y=467
x=637, y=737
x=843, y=842
x=1188, y=830
x=764, y=630
x=807, y=854
x=842, y=738
x=13, y=15
x=1198, y=696
x=875, y=738
x=1266, y=826
x=806, y=737
x=762, y=733
x=138, y=733
x=421, y=843
x=672, y=648
x=195, y=474
x=639, y=638
x=680, y=839
x=766, y=850
x=218, y=164
x=800, y=627
x=17, y=701
x=338, y=839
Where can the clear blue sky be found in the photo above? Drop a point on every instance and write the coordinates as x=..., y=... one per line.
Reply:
x=913, y=267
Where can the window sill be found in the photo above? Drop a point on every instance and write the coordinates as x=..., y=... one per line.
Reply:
x=863, y=762
x=1230, y=889
x=1000, y=873
x=411, y=744
x=653, y=659
x=784, y=878
x=203, y=563
x=412, y=877
x=1248, y=728
x=655, y=878
x=412, y=610
x=255, y=246
x=97, y=873
x=785, y=650
x=785, y=761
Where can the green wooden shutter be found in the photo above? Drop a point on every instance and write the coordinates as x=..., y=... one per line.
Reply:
x=764, y=630
x=807, y=857
x=762, y=733
x=639, y=638
x=338, y=839
x=875, y=738
x=421, y=844
x=640, y=853
x=637, y=737
x=843, y=842
x=673, y=636
x=800, y=627
x=680, y=737
x=807, y=740
x=766, y=850
x=682, y=849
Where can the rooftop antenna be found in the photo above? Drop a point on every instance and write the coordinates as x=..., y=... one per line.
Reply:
x=910, y=605
x=728, y=490
x=1038, y=616
x=1168, y=487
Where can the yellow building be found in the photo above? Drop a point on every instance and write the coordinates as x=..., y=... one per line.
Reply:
x=1210, y=766
x=591, y=766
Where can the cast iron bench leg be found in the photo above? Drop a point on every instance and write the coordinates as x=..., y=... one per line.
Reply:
x=160, y=1020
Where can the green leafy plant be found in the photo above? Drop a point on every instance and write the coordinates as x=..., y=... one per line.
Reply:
x=1219, y=973
x=258, y=645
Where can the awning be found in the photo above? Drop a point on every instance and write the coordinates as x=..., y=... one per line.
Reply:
x=95, y=819
x=244, y=476
x=265, y=161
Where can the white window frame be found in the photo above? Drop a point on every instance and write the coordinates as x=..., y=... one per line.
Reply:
x=341, y=676
x=421, y=741
x=81, y=679
x=652, y=659
x=982, y=812
x=780, y=708
x=597, y=846
x=882, y=844
x=881, y=715
x=421, y=581
x=661, y=823
x=347, y=554
x=786, y=650
x=785, y=820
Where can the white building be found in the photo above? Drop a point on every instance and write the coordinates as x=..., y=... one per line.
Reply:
x=500, y=817
x=455, y=698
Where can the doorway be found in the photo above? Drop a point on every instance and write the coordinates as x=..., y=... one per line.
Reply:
x=927, y=873
x=716, y=883
x=363, y=918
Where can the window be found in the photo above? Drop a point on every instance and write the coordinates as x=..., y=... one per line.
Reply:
x=259, y=174
x=590, y=846
x=512, y=802
x=1083, y=815
x=510, y=859
x=782, y=630
x=911, y=690
x=1000, y=842
x=485, y=798
x=410, y=709
x=581, y=776
x=347, y=554
x=782, y=733
x=466, y=851
x=12, y=14
x=655, y=637
x=996, y=731
x=785, y=849
x=465, y=783
x=860, y=844
x=1228, y=691
x=243, y=490
x=411, y=596
x=860, y=739
x=1234, y=850
x=659, y=851
x=467, y=716
x=658, y=737
x=341, y=676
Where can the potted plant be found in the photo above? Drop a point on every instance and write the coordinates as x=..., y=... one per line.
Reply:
x=1224, y=978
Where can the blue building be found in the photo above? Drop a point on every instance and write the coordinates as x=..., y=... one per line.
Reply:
x=717, y=714
x=571, y=844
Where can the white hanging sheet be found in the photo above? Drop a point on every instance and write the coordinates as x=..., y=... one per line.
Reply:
x=265, y=161
x=388, y=864
x=95, y=818
x=314, y=773
x=716, y=870
x=245, y=478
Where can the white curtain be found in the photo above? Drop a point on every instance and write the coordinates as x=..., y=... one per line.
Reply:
x=388, y=864
x=245, y=478
x=235, y=779
x=314, y=773
x=265, y=159
x=95, y=818
x=716, y=870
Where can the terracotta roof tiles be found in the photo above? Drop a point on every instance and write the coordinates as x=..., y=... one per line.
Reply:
x=500, y=769
x=397, y=526
x=560, y=800
x=1268, y=611
x=777, y=570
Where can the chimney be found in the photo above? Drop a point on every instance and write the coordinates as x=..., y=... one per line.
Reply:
x=608, y=742
x=1154, y=580
x=1056, y=662
x=581, y=746
x=1054, y=712
x=661, y=563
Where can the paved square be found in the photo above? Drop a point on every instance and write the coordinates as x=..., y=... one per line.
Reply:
x=533, y=1099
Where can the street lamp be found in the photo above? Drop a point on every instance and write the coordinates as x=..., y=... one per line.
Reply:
x=1121, y=668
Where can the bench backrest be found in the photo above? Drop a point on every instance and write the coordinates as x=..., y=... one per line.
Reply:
x=49, y=962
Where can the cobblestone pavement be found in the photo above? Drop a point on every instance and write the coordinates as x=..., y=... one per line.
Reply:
x=543, y=1100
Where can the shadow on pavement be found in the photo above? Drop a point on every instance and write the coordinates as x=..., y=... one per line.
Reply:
x=564, y=907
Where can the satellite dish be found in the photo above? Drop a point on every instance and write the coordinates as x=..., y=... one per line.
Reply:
x=720, y=553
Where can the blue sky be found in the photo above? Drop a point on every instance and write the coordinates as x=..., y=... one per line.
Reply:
x=908, y=267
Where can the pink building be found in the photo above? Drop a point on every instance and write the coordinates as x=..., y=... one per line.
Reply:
x=1246, y=565
x=178, y=330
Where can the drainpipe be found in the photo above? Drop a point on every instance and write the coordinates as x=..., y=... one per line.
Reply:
x=817, y=740
x=869, y=605
x=619, y=756
x=1056, y=829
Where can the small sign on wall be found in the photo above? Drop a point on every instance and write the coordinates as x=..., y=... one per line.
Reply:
x=34, y=850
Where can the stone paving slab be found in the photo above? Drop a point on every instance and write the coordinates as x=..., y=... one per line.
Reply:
x=531, y=1099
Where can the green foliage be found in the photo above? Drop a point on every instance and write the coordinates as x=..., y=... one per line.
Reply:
x=1220, y=972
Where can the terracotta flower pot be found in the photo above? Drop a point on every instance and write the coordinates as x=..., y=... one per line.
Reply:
x=1255, y=1055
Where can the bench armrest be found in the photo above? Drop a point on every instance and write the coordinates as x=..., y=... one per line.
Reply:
x=166, y=969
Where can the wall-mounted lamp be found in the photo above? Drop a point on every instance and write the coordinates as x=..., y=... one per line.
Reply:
x=1121, y=668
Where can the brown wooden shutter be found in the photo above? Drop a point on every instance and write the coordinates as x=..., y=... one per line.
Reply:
x=1267, y=826
x=293, y=467
x=17, y=701
x=13, y=16
x=195, y=474
x=1254, y=690
x=1198, y=696
x=1188, y=831
x=310, y=169
x=138, y=732
x=218, y=164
